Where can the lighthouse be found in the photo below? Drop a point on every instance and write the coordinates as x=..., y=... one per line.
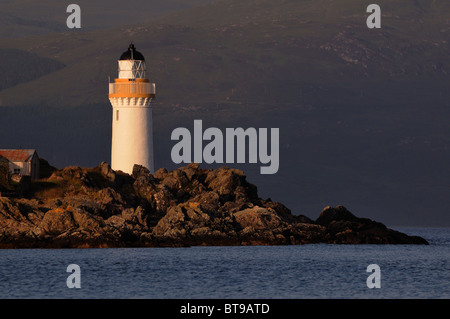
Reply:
x=132, y=130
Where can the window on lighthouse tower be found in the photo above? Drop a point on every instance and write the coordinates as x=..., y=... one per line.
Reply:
x=117, y=115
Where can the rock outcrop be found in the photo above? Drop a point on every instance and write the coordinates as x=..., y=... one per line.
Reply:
x=99, y=207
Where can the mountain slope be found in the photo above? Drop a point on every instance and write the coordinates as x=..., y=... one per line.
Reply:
x=20, y=66
x=258, y=51
x=23, y=18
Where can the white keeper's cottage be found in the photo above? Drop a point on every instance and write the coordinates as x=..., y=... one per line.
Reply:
x=24, y=162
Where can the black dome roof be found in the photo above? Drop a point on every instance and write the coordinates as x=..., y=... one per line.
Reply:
x=132, y=54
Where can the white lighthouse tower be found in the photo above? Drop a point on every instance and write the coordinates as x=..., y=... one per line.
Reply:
x=132, y=129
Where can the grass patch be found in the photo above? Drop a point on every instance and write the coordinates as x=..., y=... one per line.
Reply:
x=46, y=189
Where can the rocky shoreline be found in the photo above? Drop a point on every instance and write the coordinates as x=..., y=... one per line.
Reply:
x=98, y=207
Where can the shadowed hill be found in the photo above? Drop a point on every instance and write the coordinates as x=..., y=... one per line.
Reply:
x=255, y=52
x=19, y=66
x=25, y=18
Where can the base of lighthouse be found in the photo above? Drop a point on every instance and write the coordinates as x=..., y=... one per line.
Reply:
x=132, y=133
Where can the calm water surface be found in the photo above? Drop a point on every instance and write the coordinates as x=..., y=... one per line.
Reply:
x=308, y=271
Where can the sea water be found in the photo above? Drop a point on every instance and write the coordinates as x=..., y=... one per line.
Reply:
x=288, y=272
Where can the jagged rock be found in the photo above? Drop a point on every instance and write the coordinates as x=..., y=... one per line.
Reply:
x=191, y=171
x=139, y=170
x=160, y=173
x=338, y=213
x=345, y=228
x=57, y=221
x=98, y=207
x=109, y=196
x=259, y=218
x=173, y=222
x=116, y=221
x=136, y=216
x=230, y=182
x=108, y=172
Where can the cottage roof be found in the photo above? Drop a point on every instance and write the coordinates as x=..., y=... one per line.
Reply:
x=15, y=155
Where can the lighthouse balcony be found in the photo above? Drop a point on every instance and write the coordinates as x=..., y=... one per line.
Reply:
x=132, y=89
